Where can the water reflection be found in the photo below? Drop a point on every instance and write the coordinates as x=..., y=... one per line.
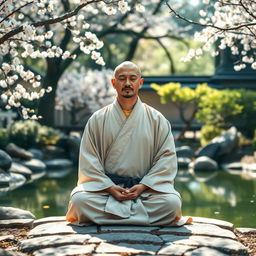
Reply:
x=214, y=195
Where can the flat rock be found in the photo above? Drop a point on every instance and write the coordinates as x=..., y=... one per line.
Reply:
x=59, y=228
x=223, y=244
x=4, y=179
x=204, y=163
x=34, y=164
x=51, y=241
x=7, y=213
x=16, y=223
x=220, y=223
x=52, y=152
x=175, y=249
x=205, y=251
x=38, y=154
x=21, y=169
x=246, y=230
x=66, y=250
x=185, y=151
x=16, y=181
x=9, y=253
x=36, y=175
x=60, y=163
x=144, y=248
x=199, y=229
x=106, y=248
x=7, y=238
x=5, y=160
x=18, y=152
x=128, y=237
x=48, y=220
x=233, y=168
x=127, y=228
x=57, y=174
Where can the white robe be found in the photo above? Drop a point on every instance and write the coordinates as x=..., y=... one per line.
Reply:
x=140, y=146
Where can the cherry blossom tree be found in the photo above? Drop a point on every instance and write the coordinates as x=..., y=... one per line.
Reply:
x=84, y=91
x=227, y=24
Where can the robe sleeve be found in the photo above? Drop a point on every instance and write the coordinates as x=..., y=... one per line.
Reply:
x=91, y=174
x=161, y=175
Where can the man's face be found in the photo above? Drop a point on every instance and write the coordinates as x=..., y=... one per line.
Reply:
x=127, y=82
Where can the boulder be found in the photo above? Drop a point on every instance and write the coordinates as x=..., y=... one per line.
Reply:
x=21, y=169
x=210, y=150
x=52, y=152
x=18, y=152
x=15, y=181
x=183, y=162
x=185, y=151
x=34, y=164
x=5, y=161
x=60, y=163
x=204, y=163
x=7, y=213
x=38, y=154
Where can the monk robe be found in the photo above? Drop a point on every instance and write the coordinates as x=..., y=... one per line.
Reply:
x=140, y=146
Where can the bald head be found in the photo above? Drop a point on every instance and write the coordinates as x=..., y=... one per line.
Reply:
x=127, y=65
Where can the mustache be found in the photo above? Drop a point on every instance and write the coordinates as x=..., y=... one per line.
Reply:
x=127, y=87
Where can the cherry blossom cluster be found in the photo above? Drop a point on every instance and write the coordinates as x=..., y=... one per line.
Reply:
x=29, y=28
x=227, y=24
x=82, y=89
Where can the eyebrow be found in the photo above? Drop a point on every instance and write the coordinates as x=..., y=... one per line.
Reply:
x=121, y=75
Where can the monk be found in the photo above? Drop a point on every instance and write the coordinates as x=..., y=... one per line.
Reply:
x=127, y=162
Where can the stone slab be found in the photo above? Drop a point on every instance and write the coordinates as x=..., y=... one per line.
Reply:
x=9, y=253
x=220, y=223
x=51, y=241
x=7, y=238
x=174, y=249
x=66, y=250
x=146, y=248
x=110, y=228
x=16, y=223
x=128, y=237
x=48, y=220
x=205, y=251
x=223, y=244
x=106, y=248
x=58, y=228
x=199, y=229
x=246, y=230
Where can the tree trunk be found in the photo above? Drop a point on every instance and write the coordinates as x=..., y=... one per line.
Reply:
x=47, y=102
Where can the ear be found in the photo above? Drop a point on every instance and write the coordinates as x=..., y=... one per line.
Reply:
x=113, y=82
x=141, y=82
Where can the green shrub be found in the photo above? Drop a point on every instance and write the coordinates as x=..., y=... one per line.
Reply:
x=24, y=133
x=208, y=132
x=30, y=133
x=4, y=138
x=48, y=135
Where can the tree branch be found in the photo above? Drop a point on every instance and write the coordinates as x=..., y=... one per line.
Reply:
x=14, y=32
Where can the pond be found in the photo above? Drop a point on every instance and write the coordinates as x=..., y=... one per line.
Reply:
x=215, y=195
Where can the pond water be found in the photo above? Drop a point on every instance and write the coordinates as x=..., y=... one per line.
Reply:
x=215, y=195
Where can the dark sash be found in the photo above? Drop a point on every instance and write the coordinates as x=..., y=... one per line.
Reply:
x=128, y=182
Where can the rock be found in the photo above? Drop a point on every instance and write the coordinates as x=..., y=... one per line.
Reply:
x=129, y=228
x=204, y=163
x=38, y=154
x=185, y=151
x=58, y=174
x=7, y=238
x=246, y=230
x=60, y=163
x=227, y=141
x=219, y=223
x=49, y=219
x=74, y=141
x=233, y=168
x=7, y=213
x=16, y=180
x=5, y=161
x=9, y=253
x=52, y=152
x=21, y=169
x=16, y=223
x=4, y=179
x=205, y=251
x=18, y=152
x=34, y=165
x=210, y=150
x=183, y=162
